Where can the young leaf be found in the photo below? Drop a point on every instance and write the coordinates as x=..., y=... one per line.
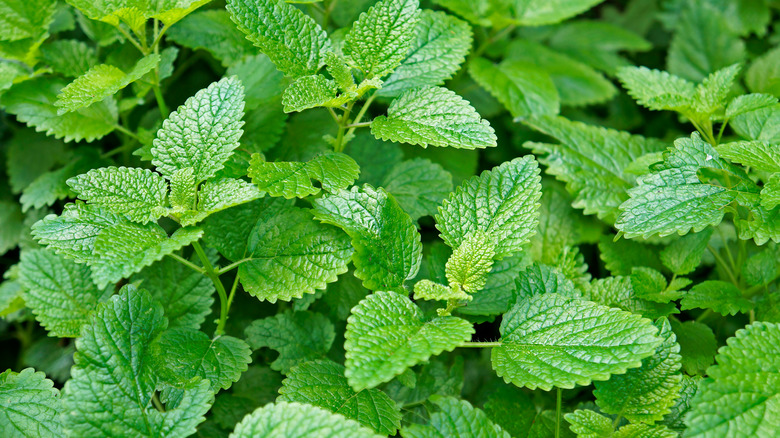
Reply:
x=433, y=116
x=589, y=342
x=770, y=193
x=312, y=91
x=379, y=40
x=322, y=383
x=439, y=46
x=59, y=291
x=32, y=102
x=647, y=393
x=592, y=161
x=21, y=19
x=456, y=419
x=684, y=254
x=31, y=405
x=290, y=38
x=203, y=132
x=183, y=353
x=470, y=263
x=720, y=296
x=740, y=396
x=101, y=82
x=508, y=217
x=758, y=154
x=296, y=420
x=217, y=195
x=711, y=94
x=387, y=245
x=113, y=380
x=619, y=292
x=418, y=185
x=657, y=90
x=138, y=193
x=428, y=290
x=289, y=255
x=387, y=333
x=297, y=336
x=333, y=170
x=589, y=424
x=698, y=346
x=523, y=89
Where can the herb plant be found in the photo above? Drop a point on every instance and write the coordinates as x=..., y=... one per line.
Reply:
x=467, y=218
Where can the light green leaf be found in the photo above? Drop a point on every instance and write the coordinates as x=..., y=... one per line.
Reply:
x=333, y=170
x=185, y=295
x=549, y=340
x=749, y=102
x=589, y=424
x=113, y=380
x=134, y=13
x=290, y=38
x=740, y=396
x=592, y=161
x=758, y=154
x=72, y=58
x=183, y=189
x=297, y=336
x=32, y=102
x=522, y=88
x=470, y=263
x=322, y=383
x=647, y=393
x=684, y=254
x=759, y=124
x=289, y=255
x=138, y=193
x=720, y=296
x=212, y=30
x=11, y=297
x=455, y=419
x=218, y=195
x=74, y=232
x=312, y=91
x=711, y=94
x=428, y=290
x=59, y=291
x=763, y=76
x=439, y=46
x=649, y=284
x=203, y=132
x=675, y=419
x=100, y=82
x=698, y=346
x=418, y=185
x=540, y=12
x=619, y=292
x=21, y=19
x=387, y=333
x=296, y=420
x=433, y=116
x=31, y=405
x=761, y=226
x=183, y=353
x=657, y=90
x=770, y=193
x=387, y=245
x=540, y=279
x=379, y=40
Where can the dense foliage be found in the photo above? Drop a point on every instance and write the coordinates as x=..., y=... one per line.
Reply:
x=359, y=218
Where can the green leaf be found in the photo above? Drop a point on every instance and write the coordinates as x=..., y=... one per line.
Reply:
x=11, y=231
x=720, y=296
x=470, y=263
x=333, y=170
x=455, y=418
x=74, y=232
x=439, y=46
x=212, y=30
x=135, y=13
x=297, y=336
x=503, y=203
x=540, y=279
x=657, y=90
x=770, y=193
x=711, y=94
x=749, y=102
x=433, y=116
x=387, y=245
x=763, y=75
x=674, y=198
x=387, y=333
x=296, y=420
x=757, y=154
x=32, y=102
x=761, y=226
x=592, y=161
x=588, y=424
x=289, y=255
x=647, y=393
x=183, y=353
x=185, y=295
x=59, y=291
x=290, y=38
x=702, y=42
x=20, y=19
x=649, y=284
x=428, y=290
x=577, y=83
x=522, y=88
x=684, y=254
x=540, y=12
x=100, y=82
x=512, y=409
x=217, y=195
x=31, y=405
x=697, y=345
x=619, y=292
x=379, y=40
x=418, y=185
x=72, y=58
x=203, y=132
x=138, y=193
x=113, y=379
x=550, y=340
x=11, y=297
x=759, y=124
x=322, y=383
x=740, y=396
x=312, y=91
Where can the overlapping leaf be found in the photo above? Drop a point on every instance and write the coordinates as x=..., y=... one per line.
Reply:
x=333, y=170
x=297, y=336
x=455, y=418
x=31, y=405
x=297, y=420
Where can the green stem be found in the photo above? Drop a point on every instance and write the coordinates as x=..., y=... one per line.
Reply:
x=157, y=404
x=722, y=263
x=704, y=315
x=232, y=266
x=212, y=274
x=343, y=122
x=233, y=291
x=132, y=40
x=360, y=115
x=468, y=344
x=159, y=97
x=722, y=128
x=616, y=422
x=558, y=403
x=187, y=263
x=127, y=132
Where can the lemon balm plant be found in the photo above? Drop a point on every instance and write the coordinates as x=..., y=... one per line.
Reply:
x=463, y=219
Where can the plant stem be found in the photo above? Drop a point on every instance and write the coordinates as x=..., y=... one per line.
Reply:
x=187, y=263
x=126, y=131
x=355, y=123
x=233, y=291
x=558, y=399
x=704, y=315
x=343, y=122
x=157, y=404
x=159, y=97
x=722, y=263
x=232, y=266
x=131, y=39
x=468, y=344
x=212, y=274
